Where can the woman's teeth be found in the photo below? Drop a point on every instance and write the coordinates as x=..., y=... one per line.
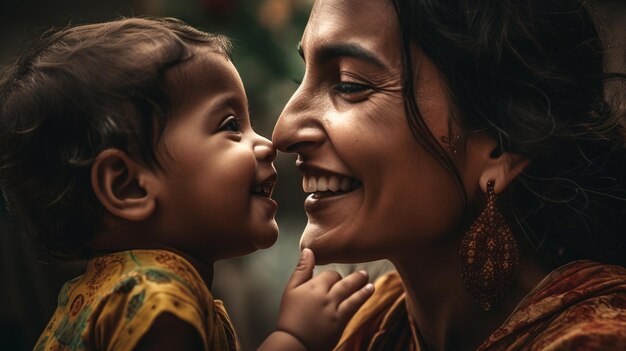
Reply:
x=312, y=184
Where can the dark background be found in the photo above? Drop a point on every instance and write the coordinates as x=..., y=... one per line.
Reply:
x=265, y=34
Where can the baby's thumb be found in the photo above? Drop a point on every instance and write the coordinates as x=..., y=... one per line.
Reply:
x=304, y=270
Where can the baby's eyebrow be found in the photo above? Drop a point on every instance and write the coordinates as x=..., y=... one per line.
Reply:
x=227, y=99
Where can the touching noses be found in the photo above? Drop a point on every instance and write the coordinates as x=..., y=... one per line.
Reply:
x=298, y=127
x=264, y=150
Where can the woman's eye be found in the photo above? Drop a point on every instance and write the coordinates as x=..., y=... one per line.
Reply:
x=350, y=88
x=230, y=124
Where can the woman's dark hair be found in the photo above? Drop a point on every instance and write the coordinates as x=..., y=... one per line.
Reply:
x=531, y=74
x=70, y=95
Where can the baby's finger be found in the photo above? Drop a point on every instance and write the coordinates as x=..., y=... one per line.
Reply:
x=349, y=306
x=303, y=271
x=327, y=279
x=348, y=286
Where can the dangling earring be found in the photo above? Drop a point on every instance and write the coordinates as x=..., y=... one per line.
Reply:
x=489, y=254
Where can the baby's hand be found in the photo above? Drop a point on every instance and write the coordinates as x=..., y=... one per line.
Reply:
x=316, y=310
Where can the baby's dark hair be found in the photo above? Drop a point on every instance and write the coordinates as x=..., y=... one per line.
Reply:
x=72, y=94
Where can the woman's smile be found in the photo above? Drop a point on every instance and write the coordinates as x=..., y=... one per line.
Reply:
x=365, y=173
x=327, y=188
x=328, y=185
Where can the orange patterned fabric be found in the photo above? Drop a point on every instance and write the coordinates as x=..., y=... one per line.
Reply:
x=382, y=323
x=580, y=306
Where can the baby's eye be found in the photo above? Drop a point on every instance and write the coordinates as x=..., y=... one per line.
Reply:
x=230, y=124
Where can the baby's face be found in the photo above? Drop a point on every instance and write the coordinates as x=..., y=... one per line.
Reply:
x=217, y=177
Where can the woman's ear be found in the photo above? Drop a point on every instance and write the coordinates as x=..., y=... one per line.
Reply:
x=502, y=168
x=122, y=185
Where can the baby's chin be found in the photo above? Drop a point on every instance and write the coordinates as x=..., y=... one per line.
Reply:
x=266, y=238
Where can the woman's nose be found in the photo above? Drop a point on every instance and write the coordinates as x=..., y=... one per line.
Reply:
x=298, y=126
x=264, y=150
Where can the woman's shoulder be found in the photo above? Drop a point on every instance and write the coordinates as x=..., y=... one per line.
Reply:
x=594, y=309
x=582, y=304
x=369, y=325
x=387, y=293
x=597, y=323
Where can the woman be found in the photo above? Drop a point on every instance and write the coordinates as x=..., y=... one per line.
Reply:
x=472, y=145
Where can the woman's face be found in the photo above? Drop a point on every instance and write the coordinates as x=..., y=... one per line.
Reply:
x=375, y=192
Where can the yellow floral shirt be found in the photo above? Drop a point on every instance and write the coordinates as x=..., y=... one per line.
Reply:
x=113, y=304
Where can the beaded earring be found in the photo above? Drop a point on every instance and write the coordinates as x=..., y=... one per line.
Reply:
x=489, y=255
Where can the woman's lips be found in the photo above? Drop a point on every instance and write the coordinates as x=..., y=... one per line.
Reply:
x=319, y=200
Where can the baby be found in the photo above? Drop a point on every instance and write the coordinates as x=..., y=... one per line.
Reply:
x=128, y=143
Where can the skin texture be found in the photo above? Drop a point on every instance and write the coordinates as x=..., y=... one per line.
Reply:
x=347, y=118
x=212, y=160
x=364, y=134
x=200, y=201
x=314, y=310
x=203, y=202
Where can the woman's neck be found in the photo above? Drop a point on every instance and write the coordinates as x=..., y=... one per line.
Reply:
x=446, y=314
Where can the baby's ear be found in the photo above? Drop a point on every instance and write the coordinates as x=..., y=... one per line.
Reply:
x=122, y=185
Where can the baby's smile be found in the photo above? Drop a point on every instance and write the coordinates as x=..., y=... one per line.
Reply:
x=265, y=188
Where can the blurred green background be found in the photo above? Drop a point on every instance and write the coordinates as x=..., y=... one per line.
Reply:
x=265, y=34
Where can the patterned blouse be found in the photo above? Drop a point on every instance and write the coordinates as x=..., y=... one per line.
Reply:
x=579, y=306
x=113, y=304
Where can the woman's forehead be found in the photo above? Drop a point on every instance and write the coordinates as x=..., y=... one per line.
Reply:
x=372, y=24
x=368, y=17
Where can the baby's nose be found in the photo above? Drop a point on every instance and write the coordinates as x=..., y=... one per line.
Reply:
x=264, y=150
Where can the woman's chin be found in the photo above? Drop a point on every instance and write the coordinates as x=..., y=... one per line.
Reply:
x=326, y=245
x=314, y=238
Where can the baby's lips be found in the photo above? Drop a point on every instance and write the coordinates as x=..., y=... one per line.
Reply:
x=265, y=187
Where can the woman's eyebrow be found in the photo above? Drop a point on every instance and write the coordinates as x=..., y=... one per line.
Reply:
x=331, y=51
